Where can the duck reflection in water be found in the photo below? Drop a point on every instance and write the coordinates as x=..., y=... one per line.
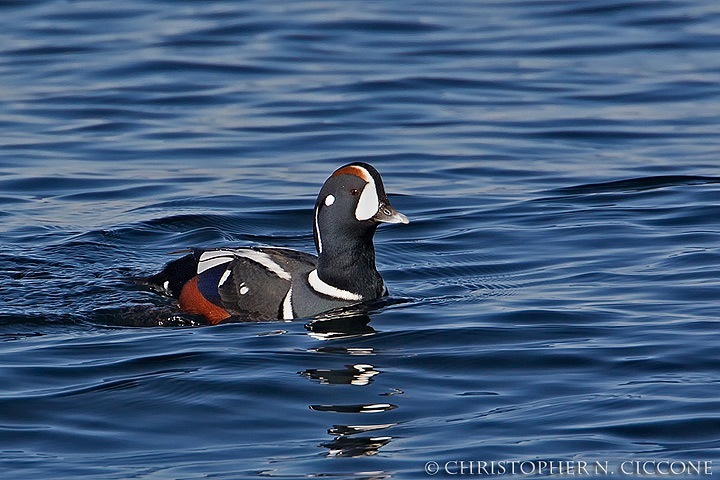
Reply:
x=359, y=374
x=349, y=440
x=339, y=325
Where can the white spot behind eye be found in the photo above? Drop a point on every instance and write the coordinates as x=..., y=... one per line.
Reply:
x=329, y=200
x=244, y=290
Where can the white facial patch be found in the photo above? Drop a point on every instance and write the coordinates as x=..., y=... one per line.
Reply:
x=329, y=200
x=369, y=202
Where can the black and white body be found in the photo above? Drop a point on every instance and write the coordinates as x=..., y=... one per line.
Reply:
x=264, y=283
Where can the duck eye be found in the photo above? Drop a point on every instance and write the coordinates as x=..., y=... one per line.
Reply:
x=354, y=192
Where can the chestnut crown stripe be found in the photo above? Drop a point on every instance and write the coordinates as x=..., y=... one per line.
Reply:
x=354, y=170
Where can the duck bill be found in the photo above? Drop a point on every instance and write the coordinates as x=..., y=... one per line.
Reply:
x=387, y=214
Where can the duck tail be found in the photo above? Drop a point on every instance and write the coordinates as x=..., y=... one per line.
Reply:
x=174, y=275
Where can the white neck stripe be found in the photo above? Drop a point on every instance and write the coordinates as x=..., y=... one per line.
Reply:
x=317, y=229
x=326, y=289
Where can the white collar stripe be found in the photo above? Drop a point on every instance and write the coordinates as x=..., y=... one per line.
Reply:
x=326, y=289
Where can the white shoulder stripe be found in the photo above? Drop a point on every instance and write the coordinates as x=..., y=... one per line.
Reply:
x=326, y=289
x=224, y=278
x=264, y=260
x=287, y=306
x=213, y=258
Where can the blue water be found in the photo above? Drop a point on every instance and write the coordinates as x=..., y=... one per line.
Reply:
x=555, y=297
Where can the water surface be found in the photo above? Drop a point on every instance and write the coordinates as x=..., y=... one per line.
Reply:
x=554, y=298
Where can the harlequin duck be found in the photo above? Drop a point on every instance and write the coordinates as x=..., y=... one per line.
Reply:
x=264, y=283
